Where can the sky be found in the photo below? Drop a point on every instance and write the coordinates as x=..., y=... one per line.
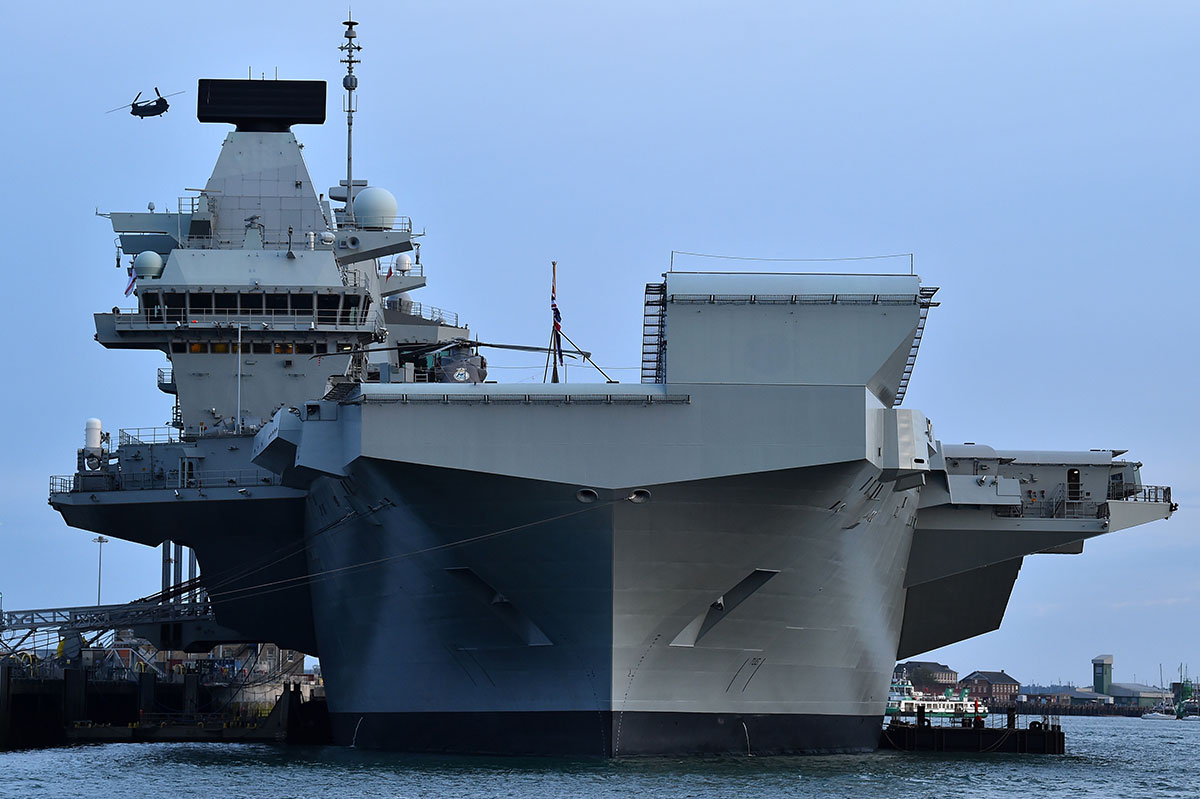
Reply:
x=1038, y=159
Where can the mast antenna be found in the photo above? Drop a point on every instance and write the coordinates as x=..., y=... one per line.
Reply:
x=350, y=83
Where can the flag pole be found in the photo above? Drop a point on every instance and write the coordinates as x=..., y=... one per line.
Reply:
x=555, y=342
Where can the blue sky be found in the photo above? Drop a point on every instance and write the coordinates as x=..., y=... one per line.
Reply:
x=1039, y=160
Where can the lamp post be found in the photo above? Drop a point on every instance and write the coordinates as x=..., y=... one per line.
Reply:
x=101, y=540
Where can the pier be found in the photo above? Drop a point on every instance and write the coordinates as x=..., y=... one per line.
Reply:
x=1041, y=735
x=39, y=712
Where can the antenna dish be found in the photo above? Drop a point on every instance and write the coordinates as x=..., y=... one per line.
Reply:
x=375, y=208
x=148, y=264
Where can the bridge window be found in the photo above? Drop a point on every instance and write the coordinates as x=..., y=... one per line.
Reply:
x=221, y=347
x=277, y=303
x=197, y=347
x=304, y=348
x=178, y=346
x=302, y=304
x=283, y=349
x=327, y=308
x=261, y=348
x=175, y=306
x=225, y=303
x=151, y=305
x=201, y=302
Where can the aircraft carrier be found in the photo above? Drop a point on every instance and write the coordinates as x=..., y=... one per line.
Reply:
x=728, y=556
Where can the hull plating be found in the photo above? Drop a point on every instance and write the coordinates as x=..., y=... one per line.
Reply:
x=456, y=603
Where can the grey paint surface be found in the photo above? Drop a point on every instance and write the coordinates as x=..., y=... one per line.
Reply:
x=793, y=530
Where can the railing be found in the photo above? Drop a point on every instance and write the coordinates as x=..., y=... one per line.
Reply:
x=432, y=313
x=1128, y=492
x=157, y=319
x=166, y=380
x=399, y=223
x=103, y=617
x=137, y=436
x=104, y=481
x=62, y=483
x=795, y=299
x=413, y=270
x=1065, y=503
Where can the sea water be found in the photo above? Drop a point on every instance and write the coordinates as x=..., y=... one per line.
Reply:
x=1106, y=757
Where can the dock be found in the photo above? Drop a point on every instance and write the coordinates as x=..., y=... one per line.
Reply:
x=1041, y=736
x=38, y=712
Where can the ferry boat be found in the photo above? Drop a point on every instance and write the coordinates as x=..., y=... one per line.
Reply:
x=904, y=699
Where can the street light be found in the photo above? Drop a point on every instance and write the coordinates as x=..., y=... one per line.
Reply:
x=101, y=540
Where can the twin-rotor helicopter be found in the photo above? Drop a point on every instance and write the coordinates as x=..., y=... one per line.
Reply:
x=148, y=108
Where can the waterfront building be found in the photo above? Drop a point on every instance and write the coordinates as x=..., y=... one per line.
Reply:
x=991, y=686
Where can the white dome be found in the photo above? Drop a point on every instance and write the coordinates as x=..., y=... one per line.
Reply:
x=404, y=264
x=148, y=264
x=375, y=207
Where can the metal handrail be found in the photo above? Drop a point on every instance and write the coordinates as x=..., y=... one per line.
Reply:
x=103, y=617
x=134, y=319
x=1130, y=492
x=105, y=481
x=431, y=312
x=400, y=223
x=136, y=436
x=413, y=270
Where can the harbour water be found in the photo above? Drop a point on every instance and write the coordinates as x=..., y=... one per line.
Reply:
x=1106, y=757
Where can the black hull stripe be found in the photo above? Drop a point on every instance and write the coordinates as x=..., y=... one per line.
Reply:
x=607, y=734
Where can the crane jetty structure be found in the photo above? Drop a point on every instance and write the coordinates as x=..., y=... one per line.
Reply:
x=728, y=556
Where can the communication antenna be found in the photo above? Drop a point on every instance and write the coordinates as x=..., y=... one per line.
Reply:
x=350, y=83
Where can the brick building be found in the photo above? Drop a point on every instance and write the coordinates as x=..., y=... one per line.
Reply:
x=991, y=686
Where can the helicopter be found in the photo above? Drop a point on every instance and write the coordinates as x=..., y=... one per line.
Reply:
x=456, y=360
x=148, y=108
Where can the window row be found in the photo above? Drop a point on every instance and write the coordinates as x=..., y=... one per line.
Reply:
x=262, y=347
x=176, y=305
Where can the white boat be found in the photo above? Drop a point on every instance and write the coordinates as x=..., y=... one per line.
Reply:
x=904, y=699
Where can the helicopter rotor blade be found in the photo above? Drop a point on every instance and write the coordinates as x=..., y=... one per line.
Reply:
x=417, y=350
x=411, y=350
x=172, y=94
x=527, y=348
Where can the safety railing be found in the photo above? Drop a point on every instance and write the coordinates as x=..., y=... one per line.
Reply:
x=103, y=617
x=157, y=319
x=104, y=481
x=62, y=483
x=398, y=223
x=431, y=312
x=1128, y=492
x=138, y=436
x=394, y=266
x=1068, y=503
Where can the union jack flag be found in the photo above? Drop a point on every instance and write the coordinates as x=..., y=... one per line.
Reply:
x=132, y=282
x=558, y=353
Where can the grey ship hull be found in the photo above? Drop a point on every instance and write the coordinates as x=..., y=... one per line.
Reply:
x=476, y=578
x=591, y=628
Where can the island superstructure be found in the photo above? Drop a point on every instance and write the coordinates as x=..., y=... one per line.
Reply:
x=728, y=556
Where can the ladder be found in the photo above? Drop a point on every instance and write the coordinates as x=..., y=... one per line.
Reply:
x=654, y=343
x=925, y=300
